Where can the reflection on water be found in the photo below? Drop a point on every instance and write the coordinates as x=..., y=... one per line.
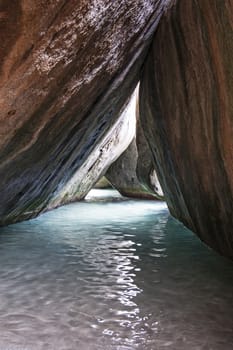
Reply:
x=112, y=274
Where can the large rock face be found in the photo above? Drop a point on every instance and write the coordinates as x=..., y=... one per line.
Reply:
x=66, y=70
x=187, y=114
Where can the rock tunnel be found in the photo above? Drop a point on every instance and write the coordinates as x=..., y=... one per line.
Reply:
x=69, y=70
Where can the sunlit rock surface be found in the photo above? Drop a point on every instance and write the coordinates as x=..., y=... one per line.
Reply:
x=145, y=168
x=66, y=70
x=116, y=140
x=133, y=173
x=103, y=183
x=122, y=175
x=186, y=110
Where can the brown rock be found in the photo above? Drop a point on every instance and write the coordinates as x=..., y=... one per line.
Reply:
x=186, y=110
x=66, y=70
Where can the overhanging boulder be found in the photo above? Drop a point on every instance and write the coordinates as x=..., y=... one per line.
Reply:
x=186, y=108
x=66, y=70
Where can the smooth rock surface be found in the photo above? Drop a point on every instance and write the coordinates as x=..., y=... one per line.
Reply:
x=66, y=71
x=133, y=173
x=103, y=183
x=186, y=109
x=145, y=168
x=122, y=175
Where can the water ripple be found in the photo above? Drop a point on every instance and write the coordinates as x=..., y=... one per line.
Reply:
x=113, y=275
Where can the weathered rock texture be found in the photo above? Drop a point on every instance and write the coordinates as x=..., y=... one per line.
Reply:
x=66, y=70
x=186, y=104
x=113, y=144
x=133, y=173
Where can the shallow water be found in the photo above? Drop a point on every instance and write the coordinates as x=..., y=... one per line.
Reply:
x=112, y=274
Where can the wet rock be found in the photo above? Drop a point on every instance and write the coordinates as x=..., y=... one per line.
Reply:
x=66, y=70
x=186, y=111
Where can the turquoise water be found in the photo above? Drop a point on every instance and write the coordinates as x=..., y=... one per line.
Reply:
x=112, y=274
